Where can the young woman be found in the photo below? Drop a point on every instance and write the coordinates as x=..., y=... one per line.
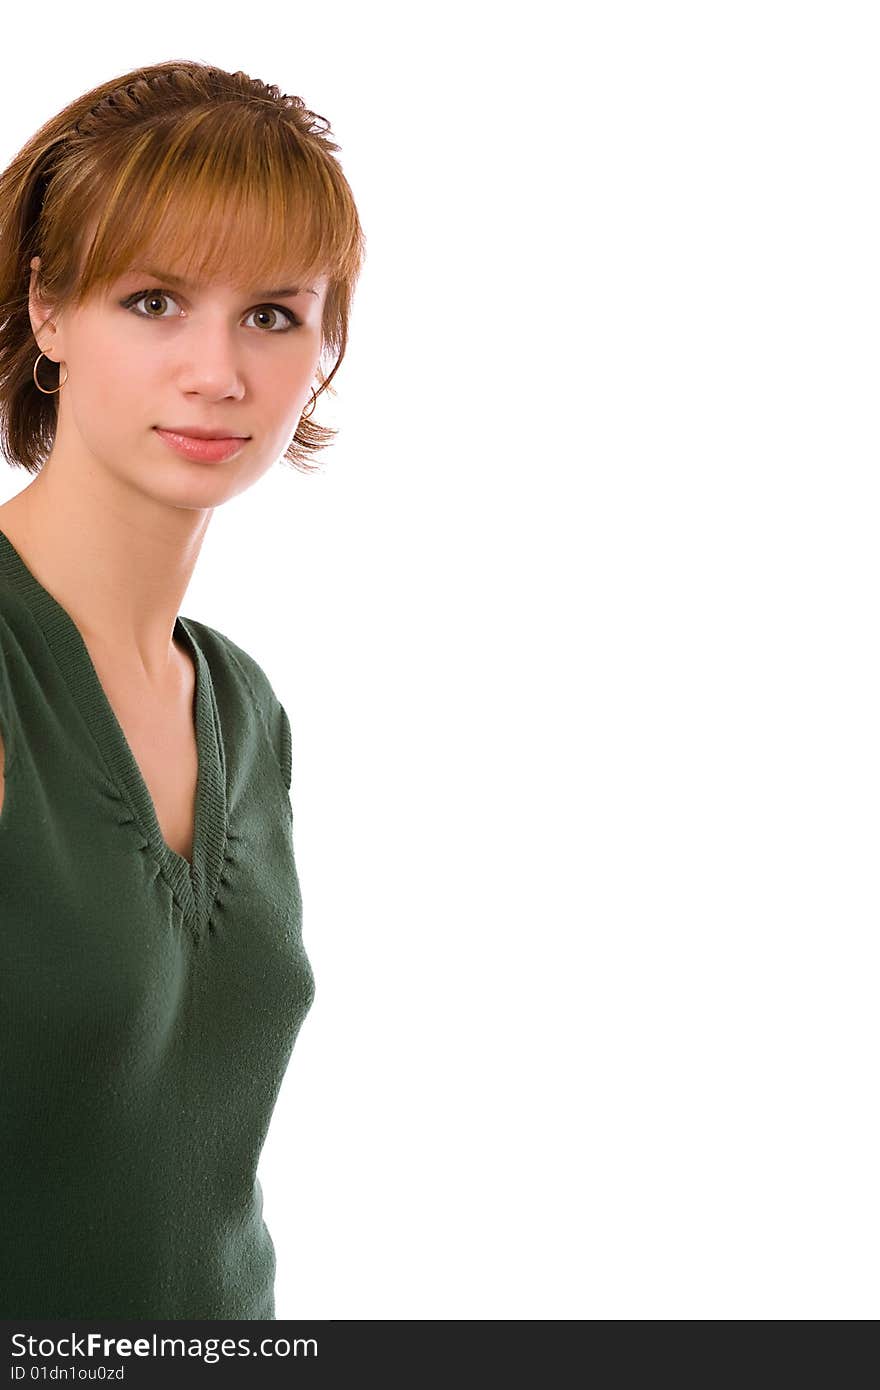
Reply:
x=178, y=254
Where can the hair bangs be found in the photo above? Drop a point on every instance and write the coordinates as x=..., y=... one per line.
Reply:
x=221, y=199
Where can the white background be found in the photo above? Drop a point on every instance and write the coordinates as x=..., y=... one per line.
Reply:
x=577, y=634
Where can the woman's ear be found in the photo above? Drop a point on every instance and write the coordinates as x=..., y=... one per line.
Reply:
x=39, y=310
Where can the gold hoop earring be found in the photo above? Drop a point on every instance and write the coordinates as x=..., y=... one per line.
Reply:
x=304, y=415
x=45, y=390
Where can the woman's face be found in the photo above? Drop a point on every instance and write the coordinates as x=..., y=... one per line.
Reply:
x=151, y=352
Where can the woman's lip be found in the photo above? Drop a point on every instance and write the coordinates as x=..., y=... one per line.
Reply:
x=209, y=450
x=194, y=434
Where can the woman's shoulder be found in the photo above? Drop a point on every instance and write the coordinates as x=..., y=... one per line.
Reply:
x=16, y=622
x=222, y=652
x=230, y=662
x=16, y=618
x=4, y=703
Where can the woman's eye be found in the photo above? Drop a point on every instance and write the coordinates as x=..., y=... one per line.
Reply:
x=276, y=310
x=280, y=319
x=151, y=296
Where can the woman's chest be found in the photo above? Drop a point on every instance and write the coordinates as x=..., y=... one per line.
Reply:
x=161, y=734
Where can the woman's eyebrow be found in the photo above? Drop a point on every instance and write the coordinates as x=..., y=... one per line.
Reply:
x=165, y=278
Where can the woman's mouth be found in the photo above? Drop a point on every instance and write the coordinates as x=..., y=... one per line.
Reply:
x=208, y=450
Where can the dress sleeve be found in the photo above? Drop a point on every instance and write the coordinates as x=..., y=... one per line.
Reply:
x=283, y=742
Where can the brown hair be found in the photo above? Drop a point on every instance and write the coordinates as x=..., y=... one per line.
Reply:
x=152, y=155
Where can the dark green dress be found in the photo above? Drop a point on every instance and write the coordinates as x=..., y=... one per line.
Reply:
x=149, y=1004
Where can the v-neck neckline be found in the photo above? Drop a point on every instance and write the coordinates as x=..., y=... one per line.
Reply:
x=194, y=881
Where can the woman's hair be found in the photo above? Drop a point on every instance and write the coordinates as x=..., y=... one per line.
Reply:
x=214, y=174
